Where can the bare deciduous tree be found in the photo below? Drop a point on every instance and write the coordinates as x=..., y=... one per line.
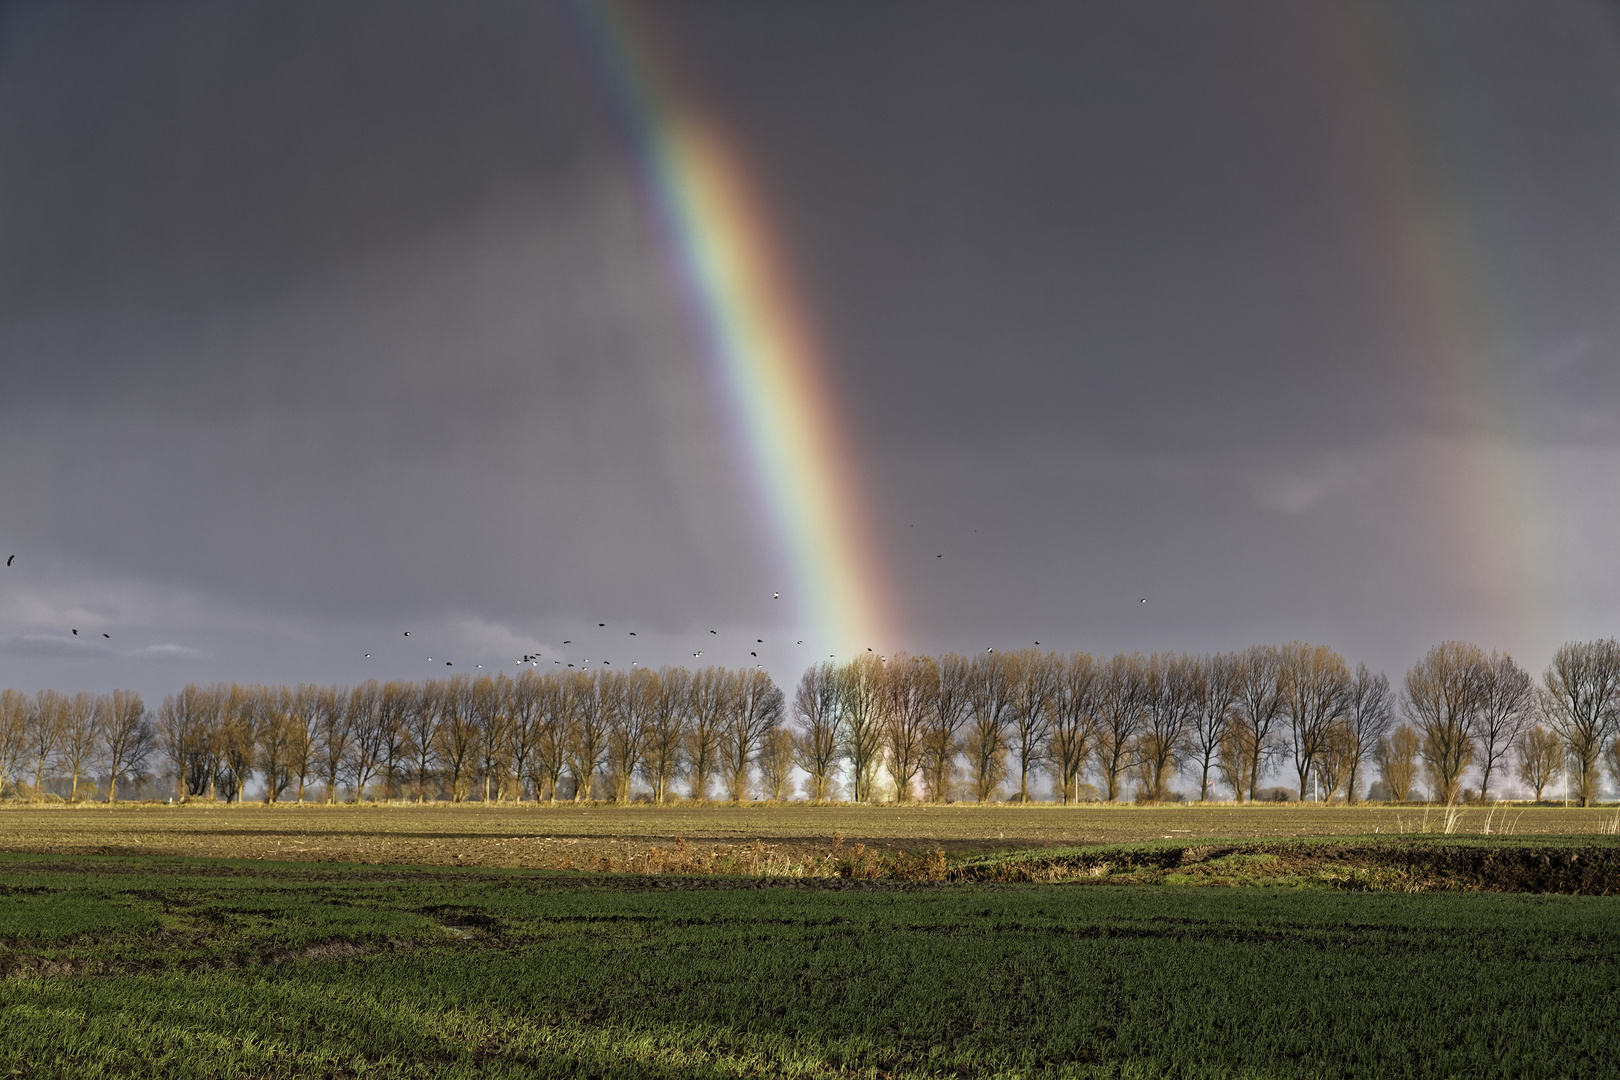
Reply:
x=1314, y=684
x=1073, y=726
x=127, y=737
x=186, y=733
x=1121, y=704
x=860, y=705
x=1396, y=756
x=628, y=697
x=490, y=696
x=333, y=736
x=667, y=711
x=456, y=740
x=240, y=714
x=909, y=686
x=776, y=763
x=368, y=729
x=1507, y=700
x=989, y=703
x=949, y=678
x=1170, y=702
x=47, y=722
x=13, y=735
x=1216, y=683
x=711, y=704
x=303, y=719
x=277, y=741
x=80, y=736
x=422, y=728
x=558, y=710
x=397, y=702
x=1441, y=700
x=1033, y=681
x=1540, y=758
x=592, y=718
x=1580, y=699
x=1367, y=716
x=817, y=746
x=756, y=710
x=1259, y=706
x=523, y=732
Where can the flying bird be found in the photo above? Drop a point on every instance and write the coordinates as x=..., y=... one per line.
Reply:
x=632, y=633
x=1144, y=599
x=714, y=631
x=698, y=653
x=601, y=624
x=753, y=654
x=989, y=650
x=407, y=633
x=109, y=637
x=448, y=664
x=759, y=641
x=941, y=555
x=568, y=643
x=801, y=642
x=9, y=558
x=430, y=659
x=75, y=633
x=368, y=655
x=774, y=595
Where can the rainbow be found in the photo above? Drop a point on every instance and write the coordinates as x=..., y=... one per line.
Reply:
x=756, y=334
x=1427, y=271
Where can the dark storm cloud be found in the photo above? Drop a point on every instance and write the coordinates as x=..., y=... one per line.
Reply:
x=317, y=319
x=1120, y=227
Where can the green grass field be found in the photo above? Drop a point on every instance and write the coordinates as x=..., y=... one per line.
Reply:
x=155, y=966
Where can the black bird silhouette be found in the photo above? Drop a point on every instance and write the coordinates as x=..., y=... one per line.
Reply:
x=774, y=595
x=1037, y=643
x=109, y=637
x=75, y=633
x=1144, y=599
x=368, y=654
x=632, y=633
x=8, y=560
x=568, y=643
x=940, y=556
x=753, y=654
x=759, y=641
x=601, y=624
x=407, y=633
x=801, y=643
x=448, y=664
x=714, y=631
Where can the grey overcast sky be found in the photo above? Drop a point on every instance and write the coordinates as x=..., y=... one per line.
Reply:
x=323, y=322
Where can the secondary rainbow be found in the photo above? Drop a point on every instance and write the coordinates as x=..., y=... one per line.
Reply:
x=756, y=333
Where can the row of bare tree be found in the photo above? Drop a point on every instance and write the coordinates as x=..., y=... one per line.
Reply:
x=902, y=727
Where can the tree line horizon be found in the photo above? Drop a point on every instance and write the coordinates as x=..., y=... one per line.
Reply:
x=949, y=728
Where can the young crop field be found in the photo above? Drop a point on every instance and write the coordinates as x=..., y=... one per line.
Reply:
x=142, y=966
x=578, y=837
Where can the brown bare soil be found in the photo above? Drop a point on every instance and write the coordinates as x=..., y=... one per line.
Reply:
x=750, y=838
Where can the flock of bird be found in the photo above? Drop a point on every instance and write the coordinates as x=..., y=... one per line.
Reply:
x=533, y=659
